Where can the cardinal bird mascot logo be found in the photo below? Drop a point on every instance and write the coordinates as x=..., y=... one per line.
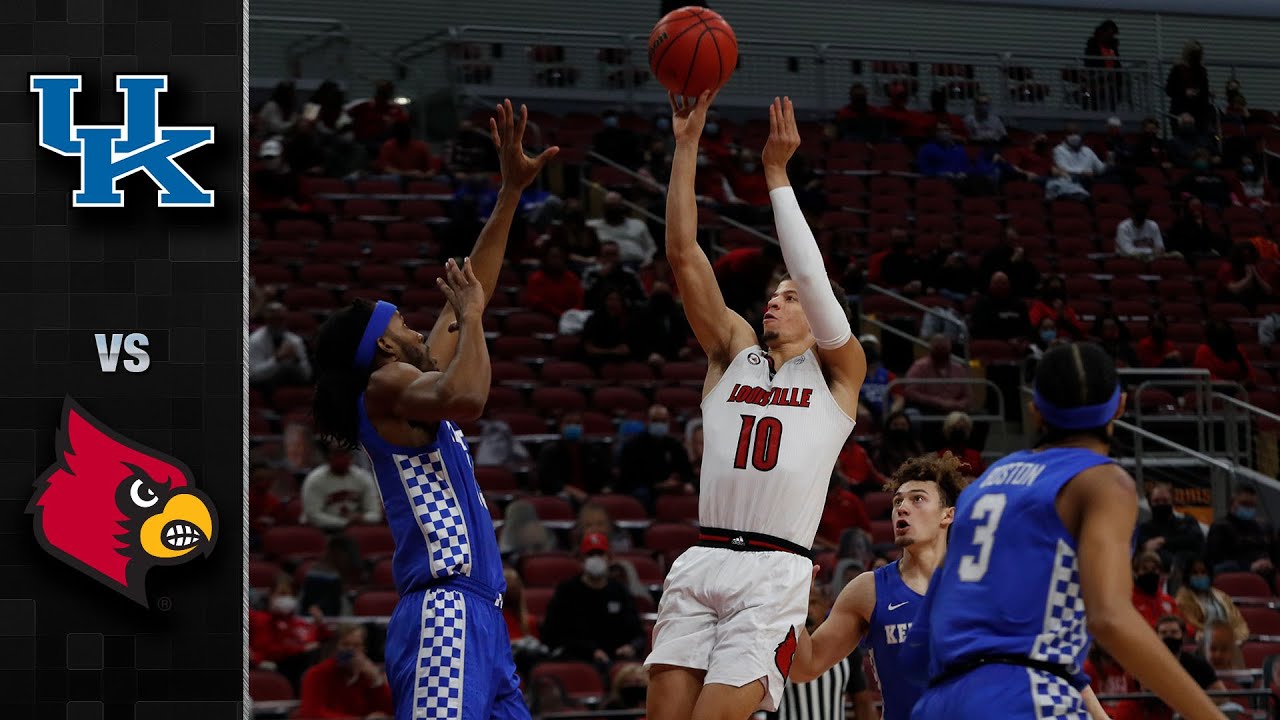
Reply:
x=785, y=653
x=113, y=508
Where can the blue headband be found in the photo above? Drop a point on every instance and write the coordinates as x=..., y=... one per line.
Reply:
x=1078, y=418
x=382, y=314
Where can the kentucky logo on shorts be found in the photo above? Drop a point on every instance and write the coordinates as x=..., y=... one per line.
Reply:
x=785, y=653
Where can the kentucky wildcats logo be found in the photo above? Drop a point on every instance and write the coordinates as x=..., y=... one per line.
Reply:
x=109, y=153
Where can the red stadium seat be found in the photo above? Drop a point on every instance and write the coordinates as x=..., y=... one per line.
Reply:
x=668, y=537
x=1242, y=584
x=551, y=508
x=269, y=686
x=580, y=680
x=299, y=230
x=879, y=505
x=548, y=569
x=619, y=400
x=679, y=400
x=568, y=372
x=298, y=542
x=324, y=273
x=393, y=252
x=1261, y=620
x=354, y=231
x=509, y=372
x=557, y=400
x=685, y=373
x=264, y=274
x=409, y=233
x=357, y=207
x=522, y=423
x=882, y=532
x=375, y=541
x=647, y=569
x=637, y=374
x=503, y=398
x=536, y=600
x=375, y=603
x=620, y=507
x=529, y=323
x=383, y=577
x=677, y=508
x=518, y=348
x=263, y=574
x=495, y=479
x=1256, y=653
x=994, y=352
x=378, y=187
x=377, y=274
x=309, y=298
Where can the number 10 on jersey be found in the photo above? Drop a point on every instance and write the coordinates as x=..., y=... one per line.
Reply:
x=758, y=441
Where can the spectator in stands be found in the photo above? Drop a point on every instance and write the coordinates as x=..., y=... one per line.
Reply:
x=935, y=398
x=574, y=235
x=546, y=695
x=1188, y=140
x=1220, y=354
x=472, y=151
x=948, y=273
x=1010, y=258
x=984, y=126
x=749, y=184
x=1034, y=162
x=1150, y=149
x=520, y=624
x=654, y=462
x=1243, y=279
x=1113, y=337
x=744, y=275
x=1046, y=337
x=571, y=466
x=338, y=493
x=858, y=121
x=347, y=683
x=1120, y=152
x=523, y=532
x=617, y=143
x=661, y=330
x=609, y=274
x=1156, y=350
x=404, y=155
x=843, y=510
x=328, y=581
x=943, y=157
x=275, y=191
x=277, y=355
x=898, y=445
x=860, y=473
x=1219, y=647
x=1138, y=236
x=1053, y=305
x=1175, y=537
x=1238, y=542
x=282, y=640
x=591, y=617
x=1075, y=165
x=1171, y=631
x=693, y=445
x=374, y=118
x=266, y=510
x=610, y=332
x=898, y=267
x=306, y=155
x=956, y=430
x=1251, y=188
x=659, y=272
x=1188, y=86
x=999, y=315
x=1202, y=603
x=1106, y=82
x=630, y=688
x=1149, y=596
x=1192, y=236
x=1268, y=330
x=874, y=399
x=1204, y=183
x=553, y=288
x=1107, y=677
x=279, y=114
x=335, y=129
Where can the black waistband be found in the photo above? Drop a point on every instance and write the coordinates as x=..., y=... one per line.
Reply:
x=965, y=666
x=744, y=541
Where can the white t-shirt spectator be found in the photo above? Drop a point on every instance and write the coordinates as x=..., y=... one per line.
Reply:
x=263, y=364
x=1139, y=242
x=1077, y=162
x=635, y=243
x=331, y=501
x=989, y=129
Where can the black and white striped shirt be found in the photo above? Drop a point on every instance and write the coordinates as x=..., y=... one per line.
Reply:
x=823, y=697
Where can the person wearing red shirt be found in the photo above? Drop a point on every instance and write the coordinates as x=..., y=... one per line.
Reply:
x=1149, y=597
x=1053, y=304
x=1106, y=677
x=553, y=288
x=280, y=639
x=748, y=182
x=514, y=609
x=1034, y=161
x=1156, y=350
x=956, y=430
x=842, y=511
x=347, y=684
x=1220, y=355
x=403, y=155
x=855, y=464
x=374, y=118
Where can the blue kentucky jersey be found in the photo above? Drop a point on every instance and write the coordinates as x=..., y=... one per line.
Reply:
x=895, y=609
x=438, y=516
x=1010, y=583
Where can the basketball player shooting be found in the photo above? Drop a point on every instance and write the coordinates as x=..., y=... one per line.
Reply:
x=382, y=386
x=774, y=420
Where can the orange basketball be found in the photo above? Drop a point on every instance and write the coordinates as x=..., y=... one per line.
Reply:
x=692, y=50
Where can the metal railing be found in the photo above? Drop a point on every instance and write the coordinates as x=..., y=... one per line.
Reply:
x=925, y=309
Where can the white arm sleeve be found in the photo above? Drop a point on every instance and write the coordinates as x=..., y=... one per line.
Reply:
x=804, y=263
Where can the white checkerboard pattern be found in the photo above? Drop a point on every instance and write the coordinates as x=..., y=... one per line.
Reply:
x=1063, y=638
x=430, y=489
x=1054, y=698
x=441, y=657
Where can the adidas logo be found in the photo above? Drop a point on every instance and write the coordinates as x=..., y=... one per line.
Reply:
x=738, y=541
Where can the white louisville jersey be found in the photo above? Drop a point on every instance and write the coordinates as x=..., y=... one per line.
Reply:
x=769, y=447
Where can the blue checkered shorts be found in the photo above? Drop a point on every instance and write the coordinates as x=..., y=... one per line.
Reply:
x=1002, y=692
x=449, y=657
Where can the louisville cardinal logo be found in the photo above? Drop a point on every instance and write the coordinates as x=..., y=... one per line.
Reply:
x=113, y=508
x=785, y=653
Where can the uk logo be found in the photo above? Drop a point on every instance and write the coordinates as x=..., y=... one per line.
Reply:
x=110, y=153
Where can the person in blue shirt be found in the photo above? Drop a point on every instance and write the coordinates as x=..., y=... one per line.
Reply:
x=383, y=387
x=1038, y=565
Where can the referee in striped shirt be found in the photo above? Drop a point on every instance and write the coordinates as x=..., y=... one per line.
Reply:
x=823, y=697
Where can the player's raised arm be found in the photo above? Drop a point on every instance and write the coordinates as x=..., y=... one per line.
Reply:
x=1104, y=504
x=838, y=347
x=838, y=636
x=518, y=172
x=721, y=332
x=460, y=391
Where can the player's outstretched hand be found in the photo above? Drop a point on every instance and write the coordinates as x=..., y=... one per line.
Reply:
x=689, y=115
x=784, y=135
x=463, y=290
x=518, y=169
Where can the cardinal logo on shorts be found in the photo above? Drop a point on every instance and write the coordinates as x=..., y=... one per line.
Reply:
x=785, y=653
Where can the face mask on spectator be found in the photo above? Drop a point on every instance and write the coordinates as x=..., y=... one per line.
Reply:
x=1161, y=513
x=596, y=566
x=659, y=429
x=944, y=138
x=957, y=438
x=1200, y=583
x=1048, y=336
x=1248, y=171
x=611, y=121
x=982, y=110
x=1174, y=645
x=614, y=214
x=1075, y=141
x=703, y=161
x=571, y=432
x=1245, y=512
x=1201, y=165
x=284, y=604
x=1147, y=582
x=748, y=167
x=664, y=124
x=713, y=128
x=344, y=658
x=633, y=696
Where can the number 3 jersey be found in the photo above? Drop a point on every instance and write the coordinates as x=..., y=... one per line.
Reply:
x=769, y=446
x=1010, y=583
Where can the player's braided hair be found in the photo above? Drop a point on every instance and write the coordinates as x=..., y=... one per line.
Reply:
x=943, y=470
x=338, y=383
x=1071, y=376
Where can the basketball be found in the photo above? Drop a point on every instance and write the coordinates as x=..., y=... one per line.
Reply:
x=692, y=50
